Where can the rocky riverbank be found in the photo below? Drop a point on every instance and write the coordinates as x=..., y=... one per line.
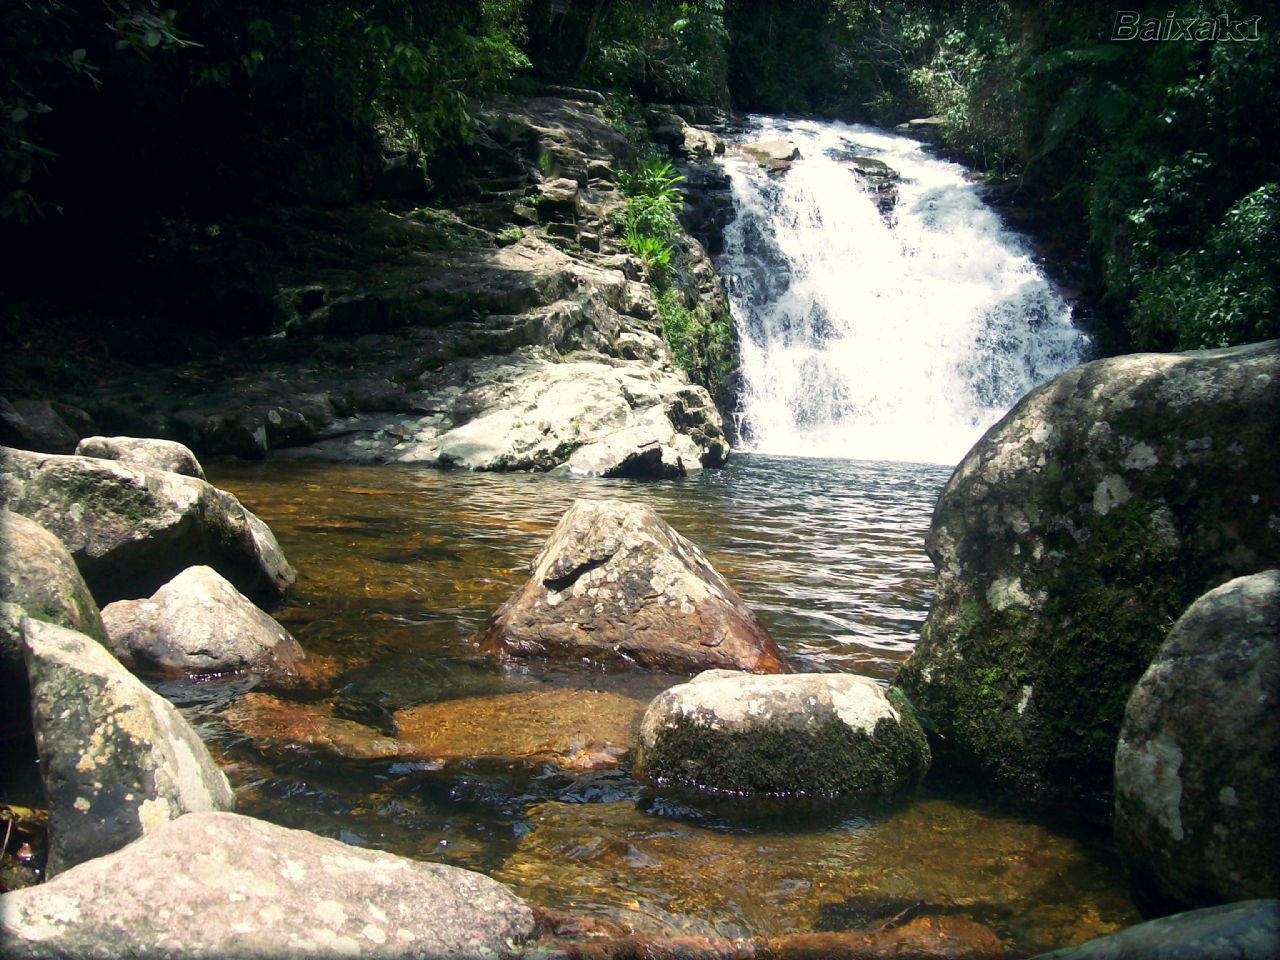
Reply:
x=511, y=331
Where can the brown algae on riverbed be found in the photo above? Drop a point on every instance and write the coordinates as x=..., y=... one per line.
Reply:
x=1037, y=888
x=400, y=568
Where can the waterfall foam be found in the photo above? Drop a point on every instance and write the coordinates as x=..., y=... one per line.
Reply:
x=894, y=337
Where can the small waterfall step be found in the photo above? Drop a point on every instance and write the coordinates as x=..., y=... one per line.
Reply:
x=884, y=311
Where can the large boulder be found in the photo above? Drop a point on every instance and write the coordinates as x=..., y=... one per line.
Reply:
x=805, y=734
x=143, y=452
x=198, y=623
x=38, y=579
x=1076, y=530
x=1248, y=930
x=36, y=425
x=214, y=885
x=1197, y=771
x=614, y=582
x=131, y=529
x=117, y=760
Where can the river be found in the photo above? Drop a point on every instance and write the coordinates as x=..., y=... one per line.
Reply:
x=877, y=347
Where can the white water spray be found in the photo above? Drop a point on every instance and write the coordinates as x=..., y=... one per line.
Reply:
x=875, y=339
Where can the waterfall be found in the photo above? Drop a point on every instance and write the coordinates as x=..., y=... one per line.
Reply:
x=894, y=336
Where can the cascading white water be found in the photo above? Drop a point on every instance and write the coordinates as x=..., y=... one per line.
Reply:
x=874, y=338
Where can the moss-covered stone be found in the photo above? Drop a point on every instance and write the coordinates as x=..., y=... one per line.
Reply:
x=822, y=735
x=1067, y=542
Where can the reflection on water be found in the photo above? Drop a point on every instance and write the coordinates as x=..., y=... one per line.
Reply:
x=398, y=567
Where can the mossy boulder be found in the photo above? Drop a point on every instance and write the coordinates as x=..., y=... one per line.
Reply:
x=1198, y=763
x=812, y=735
x=143, y=452
x=1076, y=530
x=131, y=529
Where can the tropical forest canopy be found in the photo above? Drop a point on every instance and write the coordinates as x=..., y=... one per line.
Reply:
x=128, y=129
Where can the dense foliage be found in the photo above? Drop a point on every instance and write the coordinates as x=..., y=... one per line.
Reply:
x=128, y=119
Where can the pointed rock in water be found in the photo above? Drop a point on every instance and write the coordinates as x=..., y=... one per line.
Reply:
x=131, y=529
x=805, y=734
x=614, y=583
x=1076, y=530
x=220, y=885
x=117, y=760
x=198, y=623
x=1197, y=783
x=156, y=454
x=38, y=579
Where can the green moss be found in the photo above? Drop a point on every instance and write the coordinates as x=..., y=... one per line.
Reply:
x=827, y=758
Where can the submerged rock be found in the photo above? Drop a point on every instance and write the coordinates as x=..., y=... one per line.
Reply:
x=131, y=529
x=615, y=583
x=221, y=885
x=572, y=729
x=198, y=623
x=1249, y=930
x=1197, y=786
x=1073, y=533
x=280, y=723
x=156, y=454
x=810, y=734
x=117, y=760
x=666, y=875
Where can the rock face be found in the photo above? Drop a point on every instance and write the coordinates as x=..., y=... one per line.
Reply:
x=131, y=529
x=198, y=623
x=156, y=454
x=38, y=579
x=776, y=156
x=505, y=334
x=1197, y=784
x=834, y=735
x=615, y=583
x=1072, y=534
x=213, y=885
x=1249, y=930
x=117, y=760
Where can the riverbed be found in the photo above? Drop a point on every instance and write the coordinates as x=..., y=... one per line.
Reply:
x=399, y=567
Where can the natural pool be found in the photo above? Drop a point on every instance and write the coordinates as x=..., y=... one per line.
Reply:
x=399, y=566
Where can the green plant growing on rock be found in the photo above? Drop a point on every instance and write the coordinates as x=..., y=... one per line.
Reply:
x=650, y=220
x=702, y=344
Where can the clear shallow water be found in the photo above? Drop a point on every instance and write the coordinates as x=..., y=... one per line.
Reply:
x=398, y=567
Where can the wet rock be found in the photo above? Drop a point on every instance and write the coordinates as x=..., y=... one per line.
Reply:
x=280, y=723
x=223, y=885
x=776, y=156
x=156, y=454
x=666, y=876
x=835, y=735
x=38, y=579
x=36, y=425
x=615, y=583
x=1072, y=534
x=117, y=760
x=928, y=129
x=198, y=623
x=131, y=529
x=881, y=180
x=572, y=729
x=1197, y=787
x=1249, y=930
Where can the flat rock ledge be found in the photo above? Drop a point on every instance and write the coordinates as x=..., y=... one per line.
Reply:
x=615, y=583
x=816, y=735
x=117, y=760
x=198, y=623
x=220, y=885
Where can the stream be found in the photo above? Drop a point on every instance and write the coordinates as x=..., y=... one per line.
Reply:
x=399, y=566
